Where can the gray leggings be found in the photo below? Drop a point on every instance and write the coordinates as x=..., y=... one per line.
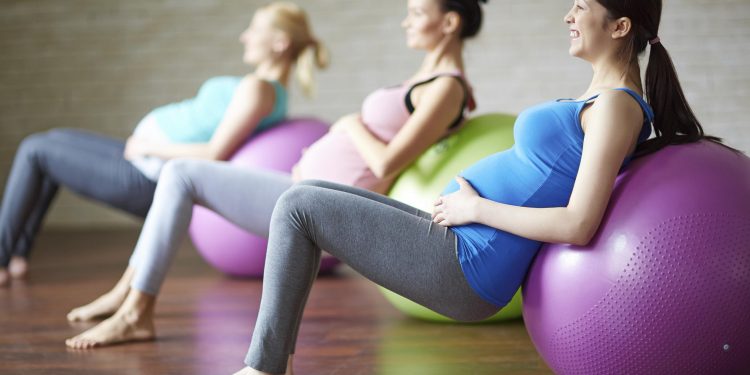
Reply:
x=245, y=197
x=90, y=165
x=395, y=245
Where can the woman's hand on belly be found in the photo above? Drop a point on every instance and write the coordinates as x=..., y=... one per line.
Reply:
x=135, y=147
x=458, y=208
x=296, y=174
x=345, y=123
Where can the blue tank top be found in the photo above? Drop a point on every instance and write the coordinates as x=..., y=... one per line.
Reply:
x=538, y=171
x=195, y=120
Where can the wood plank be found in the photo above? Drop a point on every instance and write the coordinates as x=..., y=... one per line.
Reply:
x=205, y=321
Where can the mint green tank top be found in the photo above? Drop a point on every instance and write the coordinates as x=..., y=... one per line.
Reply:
x=196, y=119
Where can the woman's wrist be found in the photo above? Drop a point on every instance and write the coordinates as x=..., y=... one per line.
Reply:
x=355, y=124
x=147, y=149
x=475, y=207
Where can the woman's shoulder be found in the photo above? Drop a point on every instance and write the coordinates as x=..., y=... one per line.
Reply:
x=446, y=82
x=252, y=84
x=443, y=87
x=449, y=77
x=617, y=101
x=254, y=92
x=616, y=106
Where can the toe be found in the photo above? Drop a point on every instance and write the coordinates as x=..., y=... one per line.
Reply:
x=74, y=316
x=87, y=344
x=76, y=342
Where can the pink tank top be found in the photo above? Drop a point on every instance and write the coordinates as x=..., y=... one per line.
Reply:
x=335, y=158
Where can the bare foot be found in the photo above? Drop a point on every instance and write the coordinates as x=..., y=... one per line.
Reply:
x=18, y=267
x=120, y=328
x=4, y=277
x=102, y=307
x=107, y=304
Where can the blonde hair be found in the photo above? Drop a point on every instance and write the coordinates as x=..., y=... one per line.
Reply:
x=306, y=50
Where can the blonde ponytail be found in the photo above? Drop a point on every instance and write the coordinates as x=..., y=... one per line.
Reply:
x=315, y=55
x=305, y=50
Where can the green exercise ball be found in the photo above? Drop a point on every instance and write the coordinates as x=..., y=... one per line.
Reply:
x=423, y=181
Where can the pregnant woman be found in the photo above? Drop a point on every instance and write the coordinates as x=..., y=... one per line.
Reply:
x=366, y=149
x=468, y=257
x=123, y=175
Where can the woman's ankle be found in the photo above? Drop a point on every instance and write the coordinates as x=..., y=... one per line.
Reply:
x=137, y=306
x=4, y=277
x=289, y=366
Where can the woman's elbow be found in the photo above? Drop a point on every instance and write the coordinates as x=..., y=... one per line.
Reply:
x=582, y=234
x=378, y=172
x=216, y=154
x=210, y=156
x=382, y=169
x=580, y=240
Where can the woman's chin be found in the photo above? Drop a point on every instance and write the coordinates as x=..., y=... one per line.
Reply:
x=250, y=59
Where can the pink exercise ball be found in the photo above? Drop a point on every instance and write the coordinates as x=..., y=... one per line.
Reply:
x=229, y=248
x=664, y=286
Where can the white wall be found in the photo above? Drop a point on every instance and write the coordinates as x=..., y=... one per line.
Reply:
x=101, y=65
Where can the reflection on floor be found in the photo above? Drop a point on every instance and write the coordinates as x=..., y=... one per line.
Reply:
x=205, y=320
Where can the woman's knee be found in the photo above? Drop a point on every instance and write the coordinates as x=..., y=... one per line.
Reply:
x=63, y=132
x=316, y=183
x=177, y=174
x=295, y=196
x=44, y=142
x=34, y=145
x=297, y=200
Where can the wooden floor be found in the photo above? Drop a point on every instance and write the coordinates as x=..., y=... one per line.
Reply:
x=205, y=320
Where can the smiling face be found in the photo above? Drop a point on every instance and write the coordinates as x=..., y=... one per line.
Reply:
x=260, y=39
x=424, y=24
x=589, y=27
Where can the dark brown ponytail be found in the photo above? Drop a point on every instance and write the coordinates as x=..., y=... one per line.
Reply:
x=674, y=121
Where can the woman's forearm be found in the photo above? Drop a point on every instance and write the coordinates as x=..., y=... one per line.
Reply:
x=372, y=149
x=554, y=224
x=186, y=150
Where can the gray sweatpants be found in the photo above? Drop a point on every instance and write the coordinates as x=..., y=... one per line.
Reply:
x=90, y=165
x=245, y=197
x=395, y=245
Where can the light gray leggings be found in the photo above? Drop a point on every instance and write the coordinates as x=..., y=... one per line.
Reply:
x=395, y=245
x=244, y=197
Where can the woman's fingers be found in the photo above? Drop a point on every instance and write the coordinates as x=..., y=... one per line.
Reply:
x=441, y=220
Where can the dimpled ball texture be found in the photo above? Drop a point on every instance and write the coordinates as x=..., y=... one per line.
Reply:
x=664, y=285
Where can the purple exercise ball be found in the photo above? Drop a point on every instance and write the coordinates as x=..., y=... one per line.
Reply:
x=664, y=286
x=226, y=246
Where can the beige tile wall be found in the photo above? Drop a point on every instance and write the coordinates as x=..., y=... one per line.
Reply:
x=101, y=65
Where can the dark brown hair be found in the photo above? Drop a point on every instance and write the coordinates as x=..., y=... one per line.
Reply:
x=470, y=12
x=674, y=121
